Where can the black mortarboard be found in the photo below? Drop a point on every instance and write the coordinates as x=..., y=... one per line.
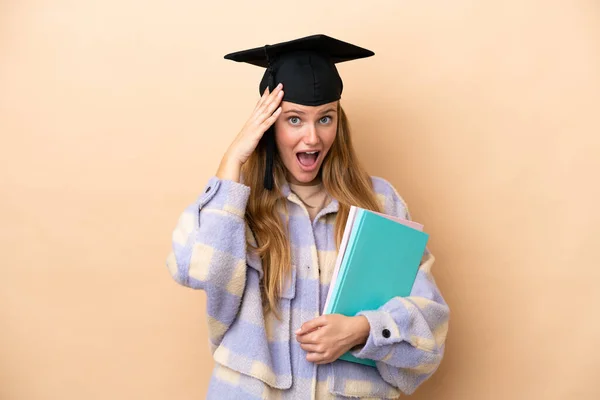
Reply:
x=306, y=67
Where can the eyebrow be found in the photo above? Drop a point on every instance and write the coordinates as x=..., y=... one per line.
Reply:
x=293, y=110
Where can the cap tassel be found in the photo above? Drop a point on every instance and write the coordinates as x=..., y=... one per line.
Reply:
x=268, y=182
x=269, y=135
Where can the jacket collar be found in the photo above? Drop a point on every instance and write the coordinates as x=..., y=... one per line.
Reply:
x=332, y=207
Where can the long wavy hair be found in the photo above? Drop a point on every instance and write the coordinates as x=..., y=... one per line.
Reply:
x=343, y=178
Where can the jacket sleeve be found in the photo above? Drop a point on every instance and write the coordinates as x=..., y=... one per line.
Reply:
x=209, y=251
x=407, y=334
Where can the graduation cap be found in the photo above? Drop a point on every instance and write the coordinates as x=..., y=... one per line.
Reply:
x=306, y=67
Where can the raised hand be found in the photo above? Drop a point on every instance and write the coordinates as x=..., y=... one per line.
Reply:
x=265, y=114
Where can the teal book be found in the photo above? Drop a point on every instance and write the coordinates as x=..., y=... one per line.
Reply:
x=378, y=260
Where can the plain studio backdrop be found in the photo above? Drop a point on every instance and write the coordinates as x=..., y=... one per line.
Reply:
x=113, y=115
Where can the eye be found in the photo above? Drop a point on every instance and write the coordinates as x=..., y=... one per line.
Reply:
x=294, y=120
x=325, y=120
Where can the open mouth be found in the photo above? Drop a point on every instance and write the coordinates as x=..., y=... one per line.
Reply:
x=308, y=159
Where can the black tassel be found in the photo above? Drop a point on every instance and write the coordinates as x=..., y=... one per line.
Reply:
x=269, y=135
x=270, y=149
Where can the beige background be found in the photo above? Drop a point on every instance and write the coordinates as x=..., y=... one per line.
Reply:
x=113, y=114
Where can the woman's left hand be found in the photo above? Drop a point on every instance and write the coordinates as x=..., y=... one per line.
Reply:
x=327, y=337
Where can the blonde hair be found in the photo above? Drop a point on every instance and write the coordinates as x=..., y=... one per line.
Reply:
x=343, y=178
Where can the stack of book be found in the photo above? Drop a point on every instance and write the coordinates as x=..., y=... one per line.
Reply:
x=378, y=260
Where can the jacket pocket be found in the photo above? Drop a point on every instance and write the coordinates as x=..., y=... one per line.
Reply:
x=258, y=345
x=356, y=380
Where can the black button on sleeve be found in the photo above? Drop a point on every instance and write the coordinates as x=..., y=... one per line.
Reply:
x=386, y=333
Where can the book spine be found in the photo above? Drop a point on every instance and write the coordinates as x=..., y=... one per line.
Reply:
x=358, y=222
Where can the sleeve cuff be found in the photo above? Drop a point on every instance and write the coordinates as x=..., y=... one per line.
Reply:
x=224, y=195
x=384, y=329
x=383, y=332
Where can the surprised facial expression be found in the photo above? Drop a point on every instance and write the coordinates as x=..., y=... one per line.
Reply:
x=304, y=135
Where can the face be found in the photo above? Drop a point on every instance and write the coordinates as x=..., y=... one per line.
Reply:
x=304, y=135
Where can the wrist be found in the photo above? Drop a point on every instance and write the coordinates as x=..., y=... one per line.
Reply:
x=361, y=330
x=229, y=169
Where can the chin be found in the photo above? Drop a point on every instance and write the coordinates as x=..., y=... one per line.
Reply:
x=304, y=177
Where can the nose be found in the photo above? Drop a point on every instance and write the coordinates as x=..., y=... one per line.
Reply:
x=311, y=138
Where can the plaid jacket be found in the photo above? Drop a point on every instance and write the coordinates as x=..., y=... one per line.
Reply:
x=256, y=355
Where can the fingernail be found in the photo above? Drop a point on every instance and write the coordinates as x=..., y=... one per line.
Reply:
x=298, y=331
x=280, y=85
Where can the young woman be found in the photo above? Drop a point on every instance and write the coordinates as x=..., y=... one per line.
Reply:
x=262, y=238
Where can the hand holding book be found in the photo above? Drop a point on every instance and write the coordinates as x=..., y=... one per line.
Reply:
x=328, y=337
